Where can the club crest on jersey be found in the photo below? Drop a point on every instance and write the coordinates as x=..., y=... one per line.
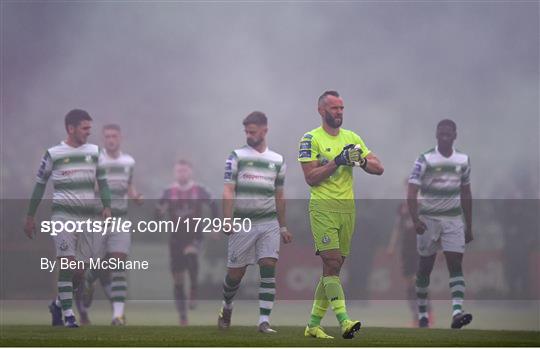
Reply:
x=271, y=166
x=323, y=160
x=88, y=158
x=458, y=168
x=66, y=160
x=326, y=240
x=63, y=245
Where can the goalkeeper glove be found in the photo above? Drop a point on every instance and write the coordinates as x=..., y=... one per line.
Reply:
x=351, y=155
x=347, y=156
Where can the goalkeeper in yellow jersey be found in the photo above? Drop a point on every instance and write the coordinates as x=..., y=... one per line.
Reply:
x=327, y=155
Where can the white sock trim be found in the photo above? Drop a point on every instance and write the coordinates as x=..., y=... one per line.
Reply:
x=264, y=318
x=118, y=309
x=227, y=306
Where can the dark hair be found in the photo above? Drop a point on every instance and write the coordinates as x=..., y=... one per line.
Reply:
x=257, y=117
x=327, y=93
x=75, y=116
x=447, y=122
x=115, y=127
x=184, y=162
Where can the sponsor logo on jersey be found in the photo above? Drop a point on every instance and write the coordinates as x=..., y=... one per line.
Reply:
x=41, y=171
x=228, y=168
x=328, y=149
x=71, y=172
x=308, y=136
x=305, y=154
x=416, y=171
x=305, y=145
x=252, y=177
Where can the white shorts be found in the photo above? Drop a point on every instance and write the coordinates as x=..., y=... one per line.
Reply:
x=81, y=245
x=118, y=242
x=66, y=242
x=248, y=247
x=447, y=234
x=90, y=245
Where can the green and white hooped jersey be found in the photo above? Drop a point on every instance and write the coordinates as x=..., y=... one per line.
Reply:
x=74, y=172
x=119, y=172
x=256, y=177
x=440, y=180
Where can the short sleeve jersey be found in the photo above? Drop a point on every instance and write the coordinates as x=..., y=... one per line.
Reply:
x=74, y=172
x=256, y=177
x=336, y=193
x=440, y=179
x=119, y=173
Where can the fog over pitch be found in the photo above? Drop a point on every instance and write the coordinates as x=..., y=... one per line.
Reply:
x=179, y=78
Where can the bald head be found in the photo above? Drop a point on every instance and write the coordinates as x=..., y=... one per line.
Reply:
x=330, y=108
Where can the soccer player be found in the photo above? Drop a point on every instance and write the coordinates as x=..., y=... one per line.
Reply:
x=119, y=168
x=186, y=199
x=73, y=167
x=442, y=218
x=253, y=189
x=327, y=155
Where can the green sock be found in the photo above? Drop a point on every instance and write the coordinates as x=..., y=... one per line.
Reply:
x=334, y=293
x=320, y=305
x=118, y=286
x=457, y=288
x=422, y=283
x=267, y=291
x=65, y=290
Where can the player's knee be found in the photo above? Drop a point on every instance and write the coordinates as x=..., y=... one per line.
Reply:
x=425, y=265
x=117, y=255
x=78, y=272
x=236, y=273
x=332, y=266
x=178, y=278
x=268, y=262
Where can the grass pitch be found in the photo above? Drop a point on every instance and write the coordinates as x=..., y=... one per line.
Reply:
x=243, y=336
